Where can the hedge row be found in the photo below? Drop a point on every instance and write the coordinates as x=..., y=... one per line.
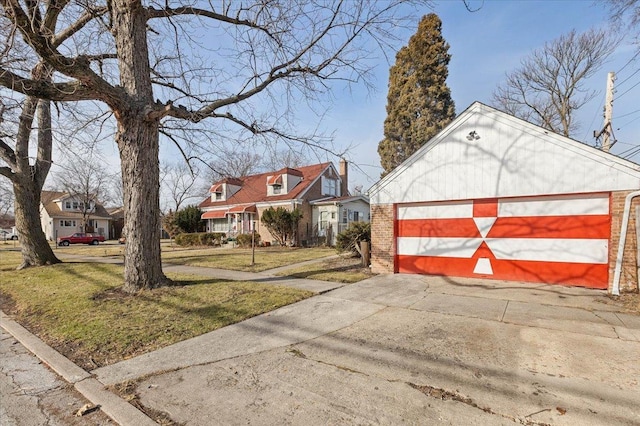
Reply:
x=244, y=240
x=200, y=239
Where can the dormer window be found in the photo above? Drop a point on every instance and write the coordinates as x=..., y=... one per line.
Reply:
x=217, y=192
x=277, y=189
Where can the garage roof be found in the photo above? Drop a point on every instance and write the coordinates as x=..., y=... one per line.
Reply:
x=485, y=153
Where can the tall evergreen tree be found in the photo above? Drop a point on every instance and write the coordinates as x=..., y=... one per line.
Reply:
x=419, y=102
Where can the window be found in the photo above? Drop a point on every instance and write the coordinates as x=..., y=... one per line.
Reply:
x=219, y=225
x=218, y=195
x=323, y=220
x=68, y=223
x=344, y=216
x=75, y=205
x=333, y=215
x=277, y=189
x=67, y=205
x=329, y=186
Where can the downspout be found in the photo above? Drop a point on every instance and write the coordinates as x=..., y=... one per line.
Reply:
x=623, y=237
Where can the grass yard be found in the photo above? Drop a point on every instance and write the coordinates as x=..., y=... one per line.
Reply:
x=108, y=248
x=340, y=270
x=237, y=259
x=78, y=309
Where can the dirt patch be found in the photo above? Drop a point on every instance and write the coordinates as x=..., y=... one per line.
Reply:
x=627, y=302
x=348, y=263
x=128, y=391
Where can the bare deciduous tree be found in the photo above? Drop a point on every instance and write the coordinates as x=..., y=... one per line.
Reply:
x=179, y=183
x=626, y=15
x=153, y=66
x=6, y=198
x=26, y=174
x=87, y=180
x=549, y=85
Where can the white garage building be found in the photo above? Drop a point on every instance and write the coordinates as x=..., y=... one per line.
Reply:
x=494, y=196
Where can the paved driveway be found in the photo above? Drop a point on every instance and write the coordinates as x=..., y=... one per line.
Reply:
x=406, y=349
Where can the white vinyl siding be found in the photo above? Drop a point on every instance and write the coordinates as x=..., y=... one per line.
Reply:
x=511, y=158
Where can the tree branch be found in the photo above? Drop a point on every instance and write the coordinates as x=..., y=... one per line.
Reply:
x=7, y=154
x=78, y=68
x=70, y=91
x=153, y=13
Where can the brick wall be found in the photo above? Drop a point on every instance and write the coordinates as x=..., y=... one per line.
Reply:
x=382, y=244
x=628, y=278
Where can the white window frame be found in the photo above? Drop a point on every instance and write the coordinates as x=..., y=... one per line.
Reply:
x=329, y=186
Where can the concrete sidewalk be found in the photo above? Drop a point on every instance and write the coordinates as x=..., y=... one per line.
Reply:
x=379, y=350
x=398, y=348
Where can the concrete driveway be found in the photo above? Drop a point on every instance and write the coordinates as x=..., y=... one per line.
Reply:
x=406, y=349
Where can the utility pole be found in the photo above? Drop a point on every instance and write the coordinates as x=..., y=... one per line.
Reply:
x=607, y=128
x=608, y=112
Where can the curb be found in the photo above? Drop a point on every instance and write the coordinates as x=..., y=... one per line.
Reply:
x=112, y=405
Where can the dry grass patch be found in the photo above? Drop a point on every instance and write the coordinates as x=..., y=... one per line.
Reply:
x=340, y=270
x=240, y=259
x=79, y=309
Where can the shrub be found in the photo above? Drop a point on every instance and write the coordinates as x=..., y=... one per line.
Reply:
x=281, y=223
x=189, y=219
x=244, y=240
x=199, y=239
x=350, y=238
x=211, y=238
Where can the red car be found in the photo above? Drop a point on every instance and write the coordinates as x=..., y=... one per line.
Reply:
x=81, y=238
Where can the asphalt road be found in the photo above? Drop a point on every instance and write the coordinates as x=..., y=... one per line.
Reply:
x=34, y=395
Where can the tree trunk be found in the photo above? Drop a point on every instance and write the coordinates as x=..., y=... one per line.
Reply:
x=138, y=141
x=36, y=251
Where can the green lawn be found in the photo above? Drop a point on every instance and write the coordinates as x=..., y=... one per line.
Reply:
x=78, y=308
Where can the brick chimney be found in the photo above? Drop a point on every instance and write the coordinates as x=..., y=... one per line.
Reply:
x=344, y=176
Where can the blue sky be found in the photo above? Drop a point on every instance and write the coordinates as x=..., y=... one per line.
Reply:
x=484, y=46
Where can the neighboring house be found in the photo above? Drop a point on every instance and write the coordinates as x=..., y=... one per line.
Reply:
x=8, y=227
x=7, y=222
x=117, y=221
x=493, y=196
x=334, y=215
x=236, y=203
x=61, y=215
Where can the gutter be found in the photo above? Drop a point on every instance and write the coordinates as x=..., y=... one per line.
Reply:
x=623, y=237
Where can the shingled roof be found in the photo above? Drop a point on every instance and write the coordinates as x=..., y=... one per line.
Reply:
x=48, y=200
x=254, y=187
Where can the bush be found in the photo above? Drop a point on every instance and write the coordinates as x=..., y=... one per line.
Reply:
x=211, y=238
x=282, y=223
x=199, y=239
x=189, y=219
x=350, y=238
x=244, y=240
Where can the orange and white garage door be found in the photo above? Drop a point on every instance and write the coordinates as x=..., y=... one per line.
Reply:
x=549, y=239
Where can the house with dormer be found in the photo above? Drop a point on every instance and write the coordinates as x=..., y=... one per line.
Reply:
x=63, y=214
x=235, y=205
